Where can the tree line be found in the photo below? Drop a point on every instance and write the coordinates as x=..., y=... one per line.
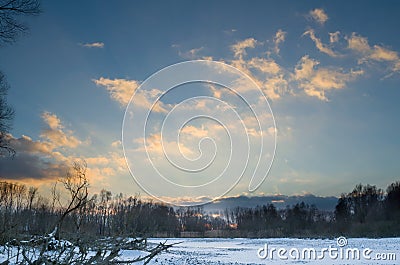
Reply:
x=365, y=211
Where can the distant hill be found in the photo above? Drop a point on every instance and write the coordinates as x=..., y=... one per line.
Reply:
x=280, y=201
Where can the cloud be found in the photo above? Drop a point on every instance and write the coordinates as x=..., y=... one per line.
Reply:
x=305, y=68
x=93, y=45
x=376, y=53
x=318, y=43
x=145, y=99
x=278, y=39
x=33, y=160
x=318, y=15
x=207, y=58
x=47, y=159
x=334, y=36
x=97, y=160
x=316, y=82
x=216, y=92
x=52, y=120
x=121, y=90
x=192, y=131
x=265, y=72
x=156, y=146
x=43, y=159
x=191, y=54
x=116, y=144
x=275, y=87
x=358, y=43
x=101, y=168
x=239, y=48
x=26, y=144
x=382, y=54
x=56, y=135
x=28, y=166
x=266, y=66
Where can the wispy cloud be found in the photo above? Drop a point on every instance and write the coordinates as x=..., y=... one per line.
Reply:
x=266, y=72
x=121, y=90
x=191, y=54
x=377, y=53
x=318, y=43
x=240, y=47
x=278, y=39
x=93, y=45
x=334, y=36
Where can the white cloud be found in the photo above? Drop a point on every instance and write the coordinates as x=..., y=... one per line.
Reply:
x=56, y=135
x=266, y=66
x=116, y=144
x=278, y=39
x=121, y=90
x=382, y=54
x=376, y=53
x=240, y=47
x=52, y=120
x=358, y=43
x=275, y=87
x=193, y=131
x=93, y=45
x=317, y=81
x=334, y=36
x=216, y=92
x=305, y=68
x=318, y=43
x=265, y=72
x=319, y=15
x=156, y=146
x=191, y=54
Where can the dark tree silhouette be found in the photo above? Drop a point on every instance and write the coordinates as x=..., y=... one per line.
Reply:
x=6, y=116
x=10, y=28
x=393, y=200
x=76, y=184
x=10, y=12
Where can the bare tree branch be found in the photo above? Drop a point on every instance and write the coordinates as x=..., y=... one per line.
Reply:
x=6, y=117
x=10, y=11
x=76, y=184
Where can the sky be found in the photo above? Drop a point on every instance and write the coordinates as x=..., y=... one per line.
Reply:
x=329, y=70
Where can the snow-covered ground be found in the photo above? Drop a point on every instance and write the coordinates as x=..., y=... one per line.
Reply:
x=245, y=251
x=280, y=251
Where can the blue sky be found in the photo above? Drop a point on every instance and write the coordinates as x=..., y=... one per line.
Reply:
x=330, y=70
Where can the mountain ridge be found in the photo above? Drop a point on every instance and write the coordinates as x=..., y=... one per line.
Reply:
x=279, y=201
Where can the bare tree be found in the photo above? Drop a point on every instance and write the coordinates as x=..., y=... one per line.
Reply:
x=76, y=184
x=10, y=28
x=10, y=12
x=32, y=192
x=6, y=116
